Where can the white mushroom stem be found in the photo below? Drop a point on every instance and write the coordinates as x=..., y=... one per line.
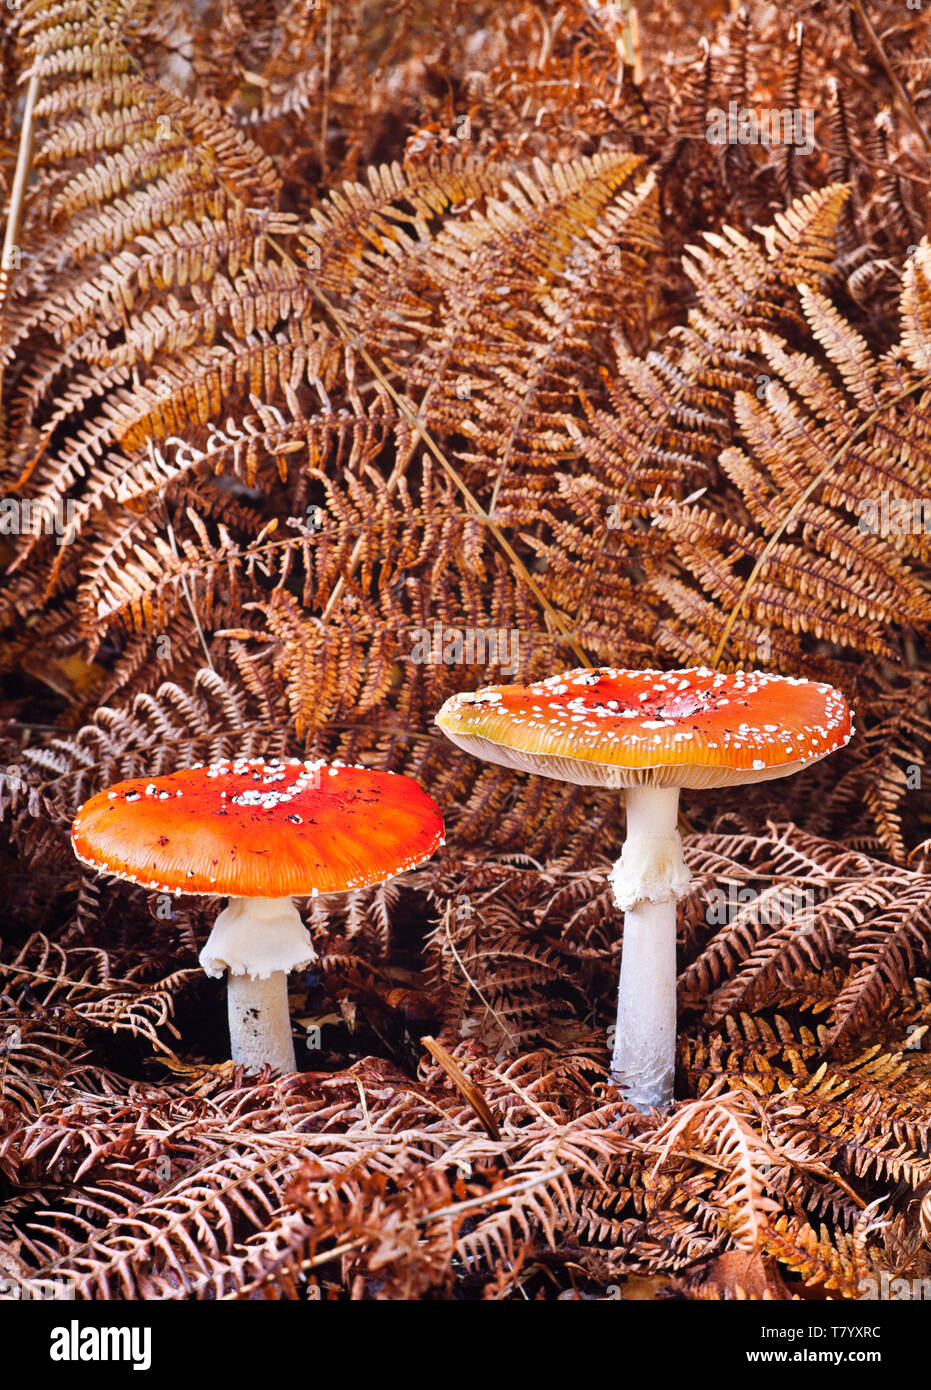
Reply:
x=258, y=941
x=260, y=1025
x=647, y=880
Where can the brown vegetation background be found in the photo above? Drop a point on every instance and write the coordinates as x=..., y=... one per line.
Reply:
x=325, y=323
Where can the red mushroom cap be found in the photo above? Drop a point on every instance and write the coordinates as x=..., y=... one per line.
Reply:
x=259, y=829
x=693, y=728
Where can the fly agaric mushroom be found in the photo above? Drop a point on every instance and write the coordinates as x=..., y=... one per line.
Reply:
x=259, y=832
x=651, y=732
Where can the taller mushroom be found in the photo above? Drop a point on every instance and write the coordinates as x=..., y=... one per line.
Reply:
x=651, y=733
x=259, y=832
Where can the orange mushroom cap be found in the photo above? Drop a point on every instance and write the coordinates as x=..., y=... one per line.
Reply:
x=692, y=728
x=255, y=829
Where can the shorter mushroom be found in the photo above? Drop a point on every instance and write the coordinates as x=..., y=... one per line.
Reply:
x=651, y=733
x=260, y=833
